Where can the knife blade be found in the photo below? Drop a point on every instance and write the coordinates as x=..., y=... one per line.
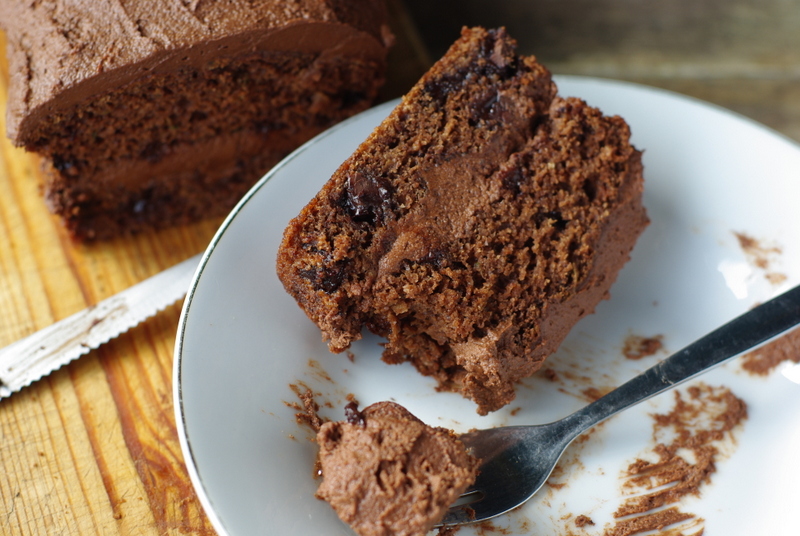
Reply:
x=30, y=359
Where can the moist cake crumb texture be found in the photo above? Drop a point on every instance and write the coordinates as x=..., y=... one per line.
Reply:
x=386, y=473
x=474, y=227
x=154, y=114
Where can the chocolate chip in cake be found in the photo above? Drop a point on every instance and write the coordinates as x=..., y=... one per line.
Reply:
x=327, y=279
x=367, y=197
x=354, y=416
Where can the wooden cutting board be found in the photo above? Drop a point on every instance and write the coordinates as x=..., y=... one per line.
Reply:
x=93, y=448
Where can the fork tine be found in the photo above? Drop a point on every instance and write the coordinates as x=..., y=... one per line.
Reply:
x=480, y=509
x=505, y=478
x=457, y=515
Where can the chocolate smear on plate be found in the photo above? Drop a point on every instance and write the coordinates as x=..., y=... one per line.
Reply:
x=765, y=359
x=702, y=419
x=761, y=256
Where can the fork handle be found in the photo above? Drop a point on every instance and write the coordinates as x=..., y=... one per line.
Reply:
x=743, y=333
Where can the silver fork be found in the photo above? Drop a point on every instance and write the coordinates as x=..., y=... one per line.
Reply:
x=517, y=460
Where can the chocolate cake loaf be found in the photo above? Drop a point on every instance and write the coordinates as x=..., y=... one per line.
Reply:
x=386, y=473
x=155, y=113
x=474, y=227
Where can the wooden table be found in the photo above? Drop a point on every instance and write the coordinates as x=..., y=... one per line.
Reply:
x=743, y=55
x=93, y=449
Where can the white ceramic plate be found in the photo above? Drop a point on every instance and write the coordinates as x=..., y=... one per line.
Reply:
x=709, y=173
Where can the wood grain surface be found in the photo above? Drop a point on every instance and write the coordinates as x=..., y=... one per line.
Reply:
x=93, y=449
x=743, y=55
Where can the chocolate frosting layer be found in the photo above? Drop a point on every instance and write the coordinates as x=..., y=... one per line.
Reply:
x=63, y=51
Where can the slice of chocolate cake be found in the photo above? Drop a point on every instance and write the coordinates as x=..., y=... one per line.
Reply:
x=474, y=227
x=155, y=113
x=386, y=473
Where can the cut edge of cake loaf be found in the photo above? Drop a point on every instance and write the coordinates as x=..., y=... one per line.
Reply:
x=474, y=227
x=155, y=114
x=386, y=472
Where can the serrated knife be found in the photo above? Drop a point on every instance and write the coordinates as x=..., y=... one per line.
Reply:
x=39, y=354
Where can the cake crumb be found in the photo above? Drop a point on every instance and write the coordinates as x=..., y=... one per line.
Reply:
x=636, y=347
x=550, y=374
x=582, y=520
x=776, y=278
x=764, y=360
x=592, y=393
x=488, y=528
x=760, y=256
x=307, y=413
x=755, y=251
